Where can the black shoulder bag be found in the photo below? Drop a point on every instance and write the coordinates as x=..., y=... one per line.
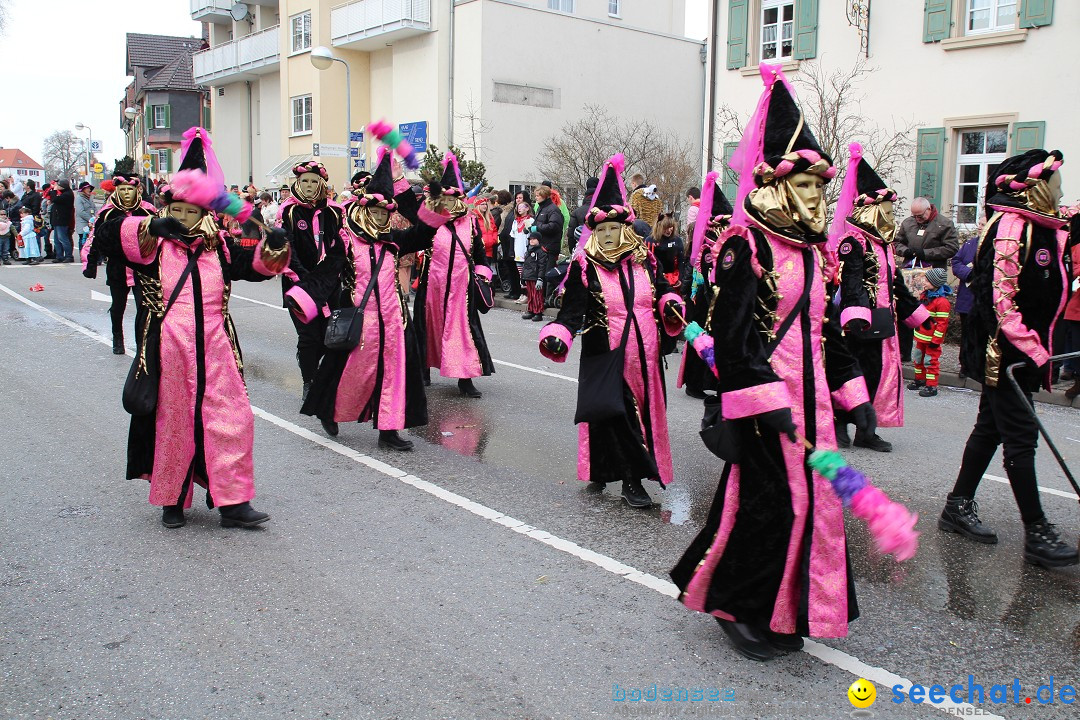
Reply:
x=141, y=387
x=718, y=434
x=600, y=376
x=345, y=328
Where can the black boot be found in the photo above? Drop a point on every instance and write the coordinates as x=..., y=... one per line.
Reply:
x=634, y=494
x=241, y=515
x=118, y=346
x=916, y=384
x=527, y=316
x=330, y=427
x=694, y=393
x=391, y=440
x=1042, y=546
x=307, y=389
x=961, y=516
x=466, y=388
x=172, y=516
x=872, y=441
x=842, y=438
x=747, y=640
x=784, y=643
x=928, y=391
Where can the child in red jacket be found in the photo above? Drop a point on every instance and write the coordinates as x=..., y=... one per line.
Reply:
x=930, y=336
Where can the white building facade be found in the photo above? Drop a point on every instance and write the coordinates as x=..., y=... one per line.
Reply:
x=520, y=69
x=982, y=79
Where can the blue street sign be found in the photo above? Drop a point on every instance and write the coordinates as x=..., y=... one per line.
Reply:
x=416, y=134
x=358, y=164
x=356, y=137
x=354, y=152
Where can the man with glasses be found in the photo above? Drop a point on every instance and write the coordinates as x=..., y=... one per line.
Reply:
x=925, y=239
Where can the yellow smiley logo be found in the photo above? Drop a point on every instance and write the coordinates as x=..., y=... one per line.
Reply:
x=862, y=693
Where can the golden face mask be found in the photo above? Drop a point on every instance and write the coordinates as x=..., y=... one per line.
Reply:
x=611, y=241
x=309, y=188
x=189, y=215
x=1043, y=196
x=878, y=218
x=371, y=221
x=784, y=207
x=126, y=197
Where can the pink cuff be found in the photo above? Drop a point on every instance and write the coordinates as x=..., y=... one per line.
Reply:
x=672, y=327
x=129, y=241
x=918, y=317
x=559, y=332
x=856, y=312
x=401, y=186
x=483, y=271
x=851, y=394
x=755, y=400
x=259, y=266
x=307, y=306
x=431, y=219
x=85, y=252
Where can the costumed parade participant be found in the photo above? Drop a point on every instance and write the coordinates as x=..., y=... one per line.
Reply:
x=191, y=418
x=771, y=562
x=123, y=202
x=381, y=377
x=1020, y=288
x=454, y=289
x=714, y=216
x=312, y=283
x=873, y=295
x=614, y=295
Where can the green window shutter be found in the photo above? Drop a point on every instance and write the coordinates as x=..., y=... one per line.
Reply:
x=729, y=179
x=937, y=20
x=737, y=32
x=1036, y=13
x=1027, y=136
x=168, y=162
x=153, y=162
x=168, y=116
x=929, y=164
x=806, y=19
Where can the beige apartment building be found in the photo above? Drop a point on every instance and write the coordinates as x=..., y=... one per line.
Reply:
x=983, y=79
x=517, y=69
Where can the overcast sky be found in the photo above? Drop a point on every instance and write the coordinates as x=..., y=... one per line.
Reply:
x=66, y=58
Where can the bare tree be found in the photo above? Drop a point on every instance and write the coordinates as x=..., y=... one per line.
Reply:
x=477, y=126
x=580, y=148
x=832, y=102
x=62, y=153
x=3, y=15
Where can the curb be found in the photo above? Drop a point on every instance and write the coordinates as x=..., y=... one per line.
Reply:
x=948, y=379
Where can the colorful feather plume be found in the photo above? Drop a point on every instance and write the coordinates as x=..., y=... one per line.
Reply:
x=193, y=186
x=392, y=138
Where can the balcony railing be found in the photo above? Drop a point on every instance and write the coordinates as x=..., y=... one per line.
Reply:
x=372, y=24
x=240, y=59
x=211, y=11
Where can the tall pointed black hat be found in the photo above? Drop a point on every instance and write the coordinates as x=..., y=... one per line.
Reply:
x=609, y=201
x=788, y=144
x=451, y=181
x=195, y=156
x=377, y=190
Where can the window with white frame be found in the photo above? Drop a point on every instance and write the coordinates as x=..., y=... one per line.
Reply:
x=300, y=31
x=987, y=16
x=777, y=29
x=566, y=6
x=301, y=114
x=159, y=116
x=978, y=152
x=613, y=8
x=164, y=157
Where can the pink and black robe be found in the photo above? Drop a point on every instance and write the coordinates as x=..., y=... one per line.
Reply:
x=870, y=279
x=597, y=296
x=447, y=311
x=382, y=378
x=203, y=429
x=773, y=552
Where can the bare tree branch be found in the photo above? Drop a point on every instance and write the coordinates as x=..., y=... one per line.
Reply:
x=62, y=154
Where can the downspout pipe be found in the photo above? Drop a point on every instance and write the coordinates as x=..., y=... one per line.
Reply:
x=251, y=138
x=450, y=105
x=714, y=16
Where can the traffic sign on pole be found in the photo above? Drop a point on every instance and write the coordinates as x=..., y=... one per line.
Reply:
x=328, y=150
x=315, y=149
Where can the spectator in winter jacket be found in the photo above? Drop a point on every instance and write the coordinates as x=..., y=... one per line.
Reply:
x=5, y=238
x=1071, y=317
x=62, y=219
x=930, y=336
x=535, y=261
x=85, y=210
x=693, y=203
x=577, y=217
x=963, y=263
x=31, y=251
x=926, y=238
x=549, y=223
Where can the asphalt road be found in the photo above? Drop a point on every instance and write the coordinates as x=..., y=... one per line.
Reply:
x=472, y=578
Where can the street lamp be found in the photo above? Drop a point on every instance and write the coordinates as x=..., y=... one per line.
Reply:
x=131, y=113
x=89, y=142
x=322, y=58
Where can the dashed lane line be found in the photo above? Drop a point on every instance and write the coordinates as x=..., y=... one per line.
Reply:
x=829, y=655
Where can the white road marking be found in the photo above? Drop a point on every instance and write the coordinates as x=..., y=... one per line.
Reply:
x=260, y=302
x=102, y=297
x=1073, y=439
x=1048, y=491
x=826, y=654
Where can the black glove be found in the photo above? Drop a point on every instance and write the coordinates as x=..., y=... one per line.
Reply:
x=865, y=419
x=856, y=325
x=780, y=421
x=554, y=345
x=167, y=227
x=276, y=239
x=908, y=253
x=920, y=254
x=90, y=271
x=672, y=310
